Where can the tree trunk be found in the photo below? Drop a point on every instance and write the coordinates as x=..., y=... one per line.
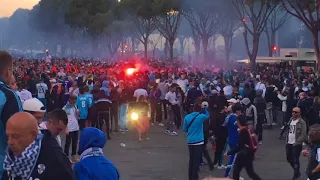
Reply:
x=154, y=52
x=316, y=47
x=255, y=48
x=181, y=40
x=205, y=42
x=145, y=44
x=171, y=42
x=197, y=47
x=133, y=44
x=271, y=42
x=227, y=45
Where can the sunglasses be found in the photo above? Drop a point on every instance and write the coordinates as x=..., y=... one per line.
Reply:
x=295, y=112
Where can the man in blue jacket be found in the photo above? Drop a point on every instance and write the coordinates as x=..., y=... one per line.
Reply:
x=231, y=123
x=10, y=103
x=193, y=125
x=93, y=165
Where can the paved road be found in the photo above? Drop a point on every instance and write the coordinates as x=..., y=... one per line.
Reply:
x=166, y=158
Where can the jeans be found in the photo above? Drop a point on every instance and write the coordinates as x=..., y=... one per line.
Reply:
x=72, y=137
x=269, y=114
x=123, y=123
x=293, y=155
x=232, y=158
x=170, y=120
x=218, y=154
x=259, y=128
x=195, y=153
x=163, y=104
x=243, y=161
x=82, y=124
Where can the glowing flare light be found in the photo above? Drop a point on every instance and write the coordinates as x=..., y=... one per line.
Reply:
x=130, y=71
x=134, y=116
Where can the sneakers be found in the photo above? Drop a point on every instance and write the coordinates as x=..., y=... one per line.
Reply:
x=173, y=133
x=222, y=167
x=123, y=130
x=274, y=124
x=161, y=124
x=167, y=132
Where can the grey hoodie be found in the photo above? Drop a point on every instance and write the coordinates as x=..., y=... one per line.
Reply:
x=163, y=87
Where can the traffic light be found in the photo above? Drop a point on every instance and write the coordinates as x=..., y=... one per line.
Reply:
x=243, y=19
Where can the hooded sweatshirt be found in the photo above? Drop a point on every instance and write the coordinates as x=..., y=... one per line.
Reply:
x=94, y=167
x=105, y=87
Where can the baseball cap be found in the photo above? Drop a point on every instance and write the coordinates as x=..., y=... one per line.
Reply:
x=33, y=105
x=232, y=100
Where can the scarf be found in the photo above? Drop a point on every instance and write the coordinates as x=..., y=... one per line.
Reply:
x=23, y=165
x=91, y=152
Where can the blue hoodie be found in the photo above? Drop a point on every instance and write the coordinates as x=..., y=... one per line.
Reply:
x=105, y=87
x=95, y=167
x=231, y=123
x=195, y=132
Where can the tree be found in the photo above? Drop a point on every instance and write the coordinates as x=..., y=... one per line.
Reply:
x=229, y=24
x=254, y=15
x=169, y=20
x=143, y=20
x=204, y=18
x=277, y=19
x=115, y=35
x=184, y=32
x=154, y=41
x=307, y=11
x=91, y=16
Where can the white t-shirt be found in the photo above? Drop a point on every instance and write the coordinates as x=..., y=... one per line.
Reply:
x=25, y=95
x=292, y=132
x=261, y=86
x=43, y=125
x=140, y=92
x=227, y=90
x=72, y=118
x=42, y=89
x=172, y=98
x=183, y=83
x=75, y=92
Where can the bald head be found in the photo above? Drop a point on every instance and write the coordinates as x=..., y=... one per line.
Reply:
x=22, y=130
x=23, y=120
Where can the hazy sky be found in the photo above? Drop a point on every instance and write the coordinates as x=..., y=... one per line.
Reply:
x=7, y=7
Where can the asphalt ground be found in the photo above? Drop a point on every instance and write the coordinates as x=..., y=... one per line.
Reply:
x=165, y=157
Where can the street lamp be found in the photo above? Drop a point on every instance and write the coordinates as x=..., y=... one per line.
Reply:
x=173, y=12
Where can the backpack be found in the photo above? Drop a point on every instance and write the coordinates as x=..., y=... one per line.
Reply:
x=253, y=144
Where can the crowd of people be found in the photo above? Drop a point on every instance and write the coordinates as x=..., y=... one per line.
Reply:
x=228, y=107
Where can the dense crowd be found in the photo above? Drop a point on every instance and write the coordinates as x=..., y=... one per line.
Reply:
x=226, y=107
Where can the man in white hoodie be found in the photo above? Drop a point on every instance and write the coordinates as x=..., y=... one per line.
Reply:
x=260, y=85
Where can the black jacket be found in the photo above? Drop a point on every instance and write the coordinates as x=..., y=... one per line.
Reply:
x=243, y=148
x=52, y=163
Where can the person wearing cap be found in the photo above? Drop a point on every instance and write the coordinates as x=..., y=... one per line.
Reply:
x=232, y=101
x=35, y=107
